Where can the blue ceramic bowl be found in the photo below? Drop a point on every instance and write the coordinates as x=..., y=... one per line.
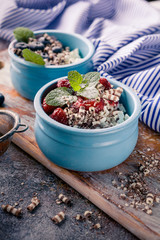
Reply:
x=28, y=77
x=85, y=149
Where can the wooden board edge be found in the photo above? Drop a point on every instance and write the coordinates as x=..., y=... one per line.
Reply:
x=129, y=222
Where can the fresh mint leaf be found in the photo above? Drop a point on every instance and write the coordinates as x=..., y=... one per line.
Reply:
x=22, y=34
x=75, y=79
x=59, y=97
x=91, y=78
x=32, y=57
x=89, y=92
x=79, y=82
x=84, y=85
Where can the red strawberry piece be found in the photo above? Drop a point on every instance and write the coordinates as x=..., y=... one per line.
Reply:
x=60, y=116
x=105, y=83
x=47, y=108
x=112, y=103
x=78, y=103
x=89, y=103
x=99, y=106
x=63, y=83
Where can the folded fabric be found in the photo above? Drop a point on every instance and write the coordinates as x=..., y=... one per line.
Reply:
x=125, y=33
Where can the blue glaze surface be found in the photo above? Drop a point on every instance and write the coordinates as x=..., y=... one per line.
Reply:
x=85, y=149
x=28, y=77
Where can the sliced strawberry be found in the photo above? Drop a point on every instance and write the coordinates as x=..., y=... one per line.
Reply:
x=78, y=103
x=63, y=83
x=99, y=106
x=60, y=116
x=105, y=83
x=47, y=108
x=89, y=103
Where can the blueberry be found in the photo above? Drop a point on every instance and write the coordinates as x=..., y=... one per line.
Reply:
x=44, y=40
x=21, y=45
x=34, y=46
x=1, y=99
x=44, y=55
x=57, y=49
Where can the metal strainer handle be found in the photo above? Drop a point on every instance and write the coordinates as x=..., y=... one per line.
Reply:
x=17, y=124
x=23, y=129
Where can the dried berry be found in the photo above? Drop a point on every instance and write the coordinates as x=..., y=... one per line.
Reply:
x=78, y=103
x=44, y=55
x=60, y=116
x=21, y=45
x=89, y=103
x=44, y=40
x=47, y=108
x=99, y=106
x=105, y=83
x=1, y=99
x=63, y=83
x=34, y=46
x=57, y=49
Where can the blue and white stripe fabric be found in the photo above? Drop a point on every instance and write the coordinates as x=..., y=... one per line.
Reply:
x=125, y=33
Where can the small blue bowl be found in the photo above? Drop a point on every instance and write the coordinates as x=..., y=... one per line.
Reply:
x=28, y=77
x=85, y=149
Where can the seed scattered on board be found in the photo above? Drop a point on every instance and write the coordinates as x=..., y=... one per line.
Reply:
x=64, y=199
x=58, y=218
x=79, y=217
x=96, y=226
x=87, y=214
x=150, y=199
x=10, y=209
x=34, y=203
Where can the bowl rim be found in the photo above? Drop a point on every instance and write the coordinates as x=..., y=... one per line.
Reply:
x=135, y=115
x=30, y=64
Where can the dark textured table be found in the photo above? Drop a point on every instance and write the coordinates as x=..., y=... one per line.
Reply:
x=20, y=178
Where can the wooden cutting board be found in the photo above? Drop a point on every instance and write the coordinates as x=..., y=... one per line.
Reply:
x=105, y=189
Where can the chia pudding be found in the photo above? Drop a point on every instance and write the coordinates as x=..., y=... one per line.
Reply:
x=50, y=49
x=94, y=104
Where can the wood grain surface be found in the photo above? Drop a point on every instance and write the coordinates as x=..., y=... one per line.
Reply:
x=98, y=187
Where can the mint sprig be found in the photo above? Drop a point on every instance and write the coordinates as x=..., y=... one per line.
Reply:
x=89, y=92
x=32, y=57
x=22, y=34
x=84, y=85
x=92, y=78
x=75, y=79
x=60, y=96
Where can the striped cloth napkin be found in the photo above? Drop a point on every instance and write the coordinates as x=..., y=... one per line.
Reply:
x=125, y=33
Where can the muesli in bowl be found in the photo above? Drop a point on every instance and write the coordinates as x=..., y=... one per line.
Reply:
x=41, y=56
x=44, y=49
x=85, y=101
x=75, y=125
